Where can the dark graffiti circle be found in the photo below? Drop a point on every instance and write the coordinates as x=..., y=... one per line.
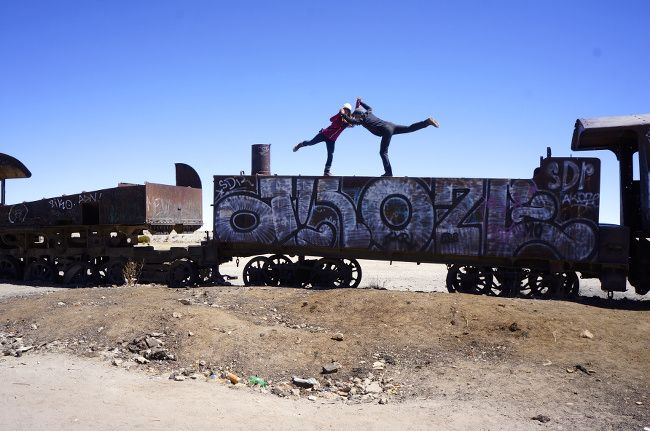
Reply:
x=243, y=218
x=399, y=213
x=244, y=221
x=396, y=211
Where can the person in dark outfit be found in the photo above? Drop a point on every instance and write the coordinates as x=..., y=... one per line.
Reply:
x=329, y=135
x=385, y=129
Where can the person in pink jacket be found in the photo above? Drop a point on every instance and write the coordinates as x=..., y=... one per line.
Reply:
x=329, y=135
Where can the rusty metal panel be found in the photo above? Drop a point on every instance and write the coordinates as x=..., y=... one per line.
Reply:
x=115, y=206
x=173, y=205
x=552, y=216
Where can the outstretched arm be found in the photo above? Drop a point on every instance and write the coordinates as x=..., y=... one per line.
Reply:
x=365, y=105
x=350, y=120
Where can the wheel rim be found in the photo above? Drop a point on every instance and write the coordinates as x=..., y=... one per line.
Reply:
x=182, y=273
x=469, y=279
x=351, y=270
x=79, y=274
x=327, y=274
x=282, y=270
x=40, y=271
x=258, y=272
x=9, y=268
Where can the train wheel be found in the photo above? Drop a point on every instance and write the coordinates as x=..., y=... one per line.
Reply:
x=328, y=273
x=282, y=269
x=40, y=271
x=10, y=268
x=545, y=285
x=469, y=279
x=78, y=274
x=258, y=272
x=351, y=272
x=507, y=282
x=182, y=273
x=112, y=272
x=571, y=285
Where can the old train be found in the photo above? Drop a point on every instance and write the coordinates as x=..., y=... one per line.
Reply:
x=498, y=236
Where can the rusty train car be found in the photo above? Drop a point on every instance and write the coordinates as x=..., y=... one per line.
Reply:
x=498, y=236
x=528, y=237
x=90, y=236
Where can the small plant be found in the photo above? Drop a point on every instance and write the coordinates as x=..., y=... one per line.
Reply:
x=378, y=284
x=131, y=272
x=144, y=239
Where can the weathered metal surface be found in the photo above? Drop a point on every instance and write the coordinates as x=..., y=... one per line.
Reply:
x=150, y=204
x=173, y=205
x=186, y=176
x=11, y=167
x=261, y=159
x=552, y=216
x=116, y=206
x=608, y=132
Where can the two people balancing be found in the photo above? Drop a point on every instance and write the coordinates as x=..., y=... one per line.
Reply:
x=363, y=115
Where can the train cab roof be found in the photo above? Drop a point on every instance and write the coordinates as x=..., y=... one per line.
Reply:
x=11, y=167
x=609, y=133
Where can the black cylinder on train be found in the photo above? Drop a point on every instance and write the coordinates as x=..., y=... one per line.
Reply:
x=261, y=159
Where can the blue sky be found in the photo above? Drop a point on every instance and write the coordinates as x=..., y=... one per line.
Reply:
x=97, y=92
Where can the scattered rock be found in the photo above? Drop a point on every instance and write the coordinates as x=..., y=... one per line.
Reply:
x=295, y=392
x=374, y=388
x=586, y=334
x=338, y=336
x=152, y=342
x=176, y=315
x=34, y=326
x=378, y=365
x=513, y=327
x=179, y=377
x=639, y=403
x=311, y=398
x=60, y=304
x=304, y=383
x=141, y=359
x=117, y=362
x=234, y=378
x=186, y=301
x=383, y=400
x=190, y=333
x=541, y=418
x=332, y=367
x=582, y=368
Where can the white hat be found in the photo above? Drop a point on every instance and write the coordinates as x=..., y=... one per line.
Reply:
x=348, y=107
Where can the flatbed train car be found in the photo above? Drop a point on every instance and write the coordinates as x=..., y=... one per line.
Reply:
x=528, y=237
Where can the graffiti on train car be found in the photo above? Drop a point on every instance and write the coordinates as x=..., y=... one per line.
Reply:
x=554, y=215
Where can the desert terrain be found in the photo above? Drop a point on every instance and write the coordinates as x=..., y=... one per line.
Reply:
x=399, y=352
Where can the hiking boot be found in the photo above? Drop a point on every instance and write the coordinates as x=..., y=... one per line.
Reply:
x=387, y=175
x=297, y=147
x=433, y=122
x=327, y=174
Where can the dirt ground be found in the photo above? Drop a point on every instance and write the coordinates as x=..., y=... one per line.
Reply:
x=410, y=357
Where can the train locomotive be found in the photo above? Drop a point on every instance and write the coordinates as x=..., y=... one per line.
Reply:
x=509, y=237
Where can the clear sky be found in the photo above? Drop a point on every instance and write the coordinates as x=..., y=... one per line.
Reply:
x=96, y=92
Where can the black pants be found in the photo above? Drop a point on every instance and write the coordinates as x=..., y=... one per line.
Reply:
x=387, y=133
x=330, y=148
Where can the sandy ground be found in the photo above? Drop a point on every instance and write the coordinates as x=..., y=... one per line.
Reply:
x=448, y=361
x=60, y=392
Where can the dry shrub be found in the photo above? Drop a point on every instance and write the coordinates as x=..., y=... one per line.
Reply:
x=131, y=272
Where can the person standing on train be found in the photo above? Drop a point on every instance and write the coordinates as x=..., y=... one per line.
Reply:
x=329, y=135
x=384, y=129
